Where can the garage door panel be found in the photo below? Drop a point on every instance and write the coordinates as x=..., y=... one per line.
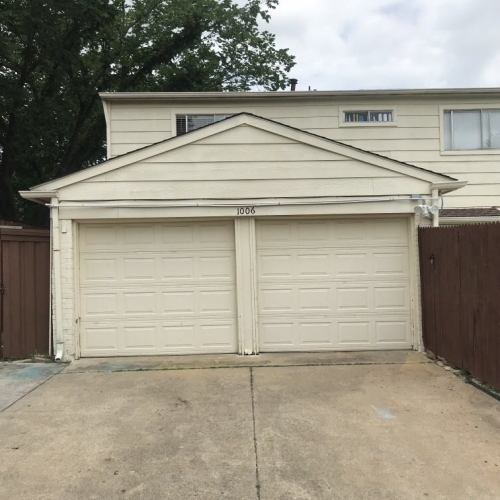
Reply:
x=139, y=303
x=199, y=267
x=391, y=263
x=99, y=339
x=333, y=284
x=275, y=335
x=349, y=333
x=99, y=269
x=353, y=298
x=139, y=337
x=392, y=332
x=333, y=264
x=139, y=268
x=198, y=336
x=332, y=233
x=97, y=304
x=354, y=332
x=150, y=288
x=316, y=334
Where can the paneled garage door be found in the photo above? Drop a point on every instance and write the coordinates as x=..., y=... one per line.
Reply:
x=338, y=284
x=157, y=288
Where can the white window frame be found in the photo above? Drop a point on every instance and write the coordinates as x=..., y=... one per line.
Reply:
x=368, y=107
x=195, y=110
x=464, y=107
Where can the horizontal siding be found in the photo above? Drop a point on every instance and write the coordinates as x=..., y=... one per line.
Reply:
x=228, y=189
x=470, y=201
x=248, y=152
x=396, y=145
x=245, y=135
x=163, y=126
x=243, y=170
x=374, y=133
x=138, y=137
x=414, y=139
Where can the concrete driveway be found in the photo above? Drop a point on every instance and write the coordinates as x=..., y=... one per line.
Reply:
x=364, y=426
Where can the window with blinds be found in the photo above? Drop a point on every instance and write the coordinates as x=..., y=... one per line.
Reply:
x=368, y=116
x=188, y=123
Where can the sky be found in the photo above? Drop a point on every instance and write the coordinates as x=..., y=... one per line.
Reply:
x=373, y=44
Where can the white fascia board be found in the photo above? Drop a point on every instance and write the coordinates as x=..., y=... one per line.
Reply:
x=41, y=197
x=447, y=187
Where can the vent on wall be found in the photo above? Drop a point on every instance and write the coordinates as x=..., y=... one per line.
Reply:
x=188, y=123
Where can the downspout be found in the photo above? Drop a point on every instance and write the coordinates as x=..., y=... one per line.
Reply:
x=56, y=243
x=435, y=199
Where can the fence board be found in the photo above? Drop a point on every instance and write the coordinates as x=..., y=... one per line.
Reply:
x=24, y=272
x=460, y=278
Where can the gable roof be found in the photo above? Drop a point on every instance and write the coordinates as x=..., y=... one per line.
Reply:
x=443, y=181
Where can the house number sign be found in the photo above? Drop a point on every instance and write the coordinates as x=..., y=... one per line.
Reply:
x=245, y=210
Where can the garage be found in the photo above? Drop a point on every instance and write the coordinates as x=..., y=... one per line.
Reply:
x=333, y=284
x=245, y=236
x=157, y=288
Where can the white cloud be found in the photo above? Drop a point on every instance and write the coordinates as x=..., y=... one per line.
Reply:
x=351, y=44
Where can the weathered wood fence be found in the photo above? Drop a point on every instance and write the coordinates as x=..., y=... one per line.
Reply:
x=24, y=292
x=460, y=277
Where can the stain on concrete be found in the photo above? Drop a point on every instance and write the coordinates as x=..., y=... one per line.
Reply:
x=383, y=413
x=19, y=379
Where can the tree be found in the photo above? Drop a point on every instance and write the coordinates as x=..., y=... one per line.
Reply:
x=56, y=55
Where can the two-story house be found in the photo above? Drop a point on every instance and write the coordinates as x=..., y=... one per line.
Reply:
x=264, y=221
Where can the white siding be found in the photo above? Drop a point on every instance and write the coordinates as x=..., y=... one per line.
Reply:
x=414, y=138
x=252, y=164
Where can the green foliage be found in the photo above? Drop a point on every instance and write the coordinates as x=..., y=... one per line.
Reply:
x=56, y=55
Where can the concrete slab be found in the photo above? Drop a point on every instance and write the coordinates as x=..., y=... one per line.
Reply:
x=402, y=430
x=18, y=379
x=147, y=363
x=155, y=435
x=374, y=432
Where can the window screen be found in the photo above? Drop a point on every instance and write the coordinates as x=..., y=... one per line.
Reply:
x=472, y=129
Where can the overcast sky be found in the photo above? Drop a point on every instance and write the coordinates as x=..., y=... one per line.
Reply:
x=360, y=44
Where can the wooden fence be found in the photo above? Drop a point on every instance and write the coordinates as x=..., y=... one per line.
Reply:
x=24, y=292
x=460, y=277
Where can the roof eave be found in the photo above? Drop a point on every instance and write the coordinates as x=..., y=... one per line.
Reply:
x=176, y=96
x=448, y=187
x=41, y=197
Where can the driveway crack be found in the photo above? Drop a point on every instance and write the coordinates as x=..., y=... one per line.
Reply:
x=255, y=447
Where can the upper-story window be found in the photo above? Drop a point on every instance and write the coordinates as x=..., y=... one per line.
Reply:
x=188, y=123
x=362, y=116
x=471, y=129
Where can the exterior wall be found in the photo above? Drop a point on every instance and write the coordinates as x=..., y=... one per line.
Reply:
x=69, y=326
x=415, y=137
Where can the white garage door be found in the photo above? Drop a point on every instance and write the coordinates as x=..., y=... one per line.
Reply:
x=333, y=284
x=157, y=288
